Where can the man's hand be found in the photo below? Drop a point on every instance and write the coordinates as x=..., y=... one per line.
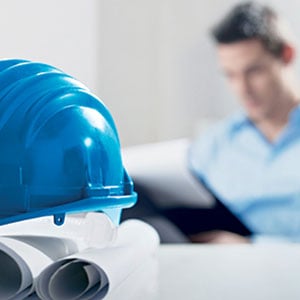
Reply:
x=219, y=237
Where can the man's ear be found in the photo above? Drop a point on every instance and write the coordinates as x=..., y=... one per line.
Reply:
x=288, y=53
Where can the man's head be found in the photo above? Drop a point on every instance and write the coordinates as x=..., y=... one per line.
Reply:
x=255, y=54
x=251, y=21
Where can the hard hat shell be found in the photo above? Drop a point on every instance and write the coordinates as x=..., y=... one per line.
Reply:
x=59, y=147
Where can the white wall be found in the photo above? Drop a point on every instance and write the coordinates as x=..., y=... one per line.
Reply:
x=58, y=32
x=151, y=61
x=157, y=65
x=129, y=67
x=157, y=69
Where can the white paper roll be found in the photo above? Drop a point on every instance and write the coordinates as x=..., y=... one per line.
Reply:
x=20, y=265
x=99, y=271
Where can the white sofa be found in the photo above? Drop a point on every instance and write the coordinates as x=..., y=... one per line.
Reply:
x=162, y=180
x=161, y=169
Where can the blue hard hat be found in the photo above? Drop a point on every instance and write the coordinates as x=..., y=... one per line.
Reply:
x=59, y=147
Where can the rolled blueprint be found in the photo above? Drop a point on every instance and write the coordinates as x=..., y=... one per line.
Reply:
x=93, y=273
x=28, y=246
x=20, y=265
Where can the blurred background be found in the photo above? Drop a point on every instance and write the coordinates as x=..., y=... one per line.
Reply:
x=152, y=62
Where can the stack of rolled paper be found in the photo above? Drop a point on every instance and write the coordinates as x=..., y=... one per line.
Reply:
x=85, y=258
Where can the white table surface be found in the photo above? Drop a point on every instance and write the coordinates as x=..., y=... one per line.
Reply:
x=213, y=272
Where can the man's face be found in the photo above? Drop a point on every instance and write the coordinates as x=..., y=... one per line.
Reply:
x=256, y=77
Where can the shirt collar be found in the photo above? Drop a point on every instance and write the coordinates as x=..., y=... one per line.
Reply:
x=241, y=119
x=238, y=121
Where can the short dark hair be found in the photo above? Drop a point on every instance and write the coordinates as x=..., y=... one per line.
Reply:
x=251, y=20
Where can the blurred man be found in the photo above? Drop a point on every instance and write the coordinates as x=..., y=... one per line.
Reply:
x=251, y=160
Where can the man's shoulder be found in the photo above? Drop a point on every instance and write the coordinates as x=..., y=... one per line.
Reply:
x=228, y=126
x=210, y=142
x=219, y=133
x=234, y=121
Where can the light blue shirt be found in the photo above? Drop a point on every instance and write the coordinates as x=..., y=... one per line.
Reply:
x=257, y=180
